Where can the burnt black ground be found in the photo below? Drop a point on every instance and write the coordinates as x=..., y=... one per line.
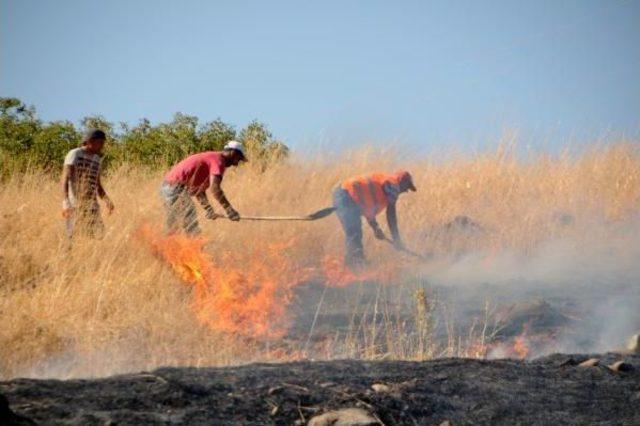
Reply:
x=550, y=390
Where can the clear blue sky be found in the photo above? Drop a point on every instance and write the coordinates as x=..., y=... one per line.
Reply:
x=419, y=73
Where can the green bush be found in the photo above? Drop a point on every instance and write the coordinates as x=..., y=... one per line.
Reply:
x=26, y=142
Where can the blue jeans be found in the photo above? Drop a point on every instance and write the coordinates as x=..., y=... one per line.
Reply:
x=179, y=207
x=349, y=214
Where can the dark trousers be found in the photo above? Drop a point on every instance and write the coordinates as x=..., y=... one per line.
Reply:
x=350, y=216
x=179, y=209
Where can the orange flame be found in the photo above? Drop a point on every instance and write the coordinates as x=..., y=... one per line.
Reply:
x=478, y=350
x=249, y=299
x=520, y=344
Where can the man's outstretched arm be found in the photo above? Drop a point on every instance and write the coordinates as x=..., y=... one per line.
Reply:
x=103, y=195
x=218, y=194
x=392, y=221
x=377, y=231
x=204, y=202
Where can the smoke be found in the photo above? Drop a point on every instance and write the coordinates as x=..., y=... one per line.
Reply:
x=590, y=278
x=114, y=357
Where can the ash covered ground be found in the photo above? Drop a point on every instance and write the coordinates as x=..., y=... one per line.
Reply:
x=560, y=317
x=562, y=297
x=549, y=390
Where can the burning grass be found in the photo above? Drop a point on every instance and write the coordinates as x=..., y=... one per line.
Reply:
x=121, y=303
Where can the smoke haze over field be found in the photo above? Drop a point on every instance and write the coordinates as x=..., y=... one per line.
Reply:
x=592, y=278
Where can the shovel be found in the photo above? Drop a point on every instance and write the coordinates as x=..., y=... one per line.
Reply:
x=320, y=214
x=407, y=251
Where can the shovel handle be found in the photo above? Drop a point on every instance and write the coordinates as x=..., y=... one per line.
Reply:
x=271, y=218
x=406, y=250
x=320, y=214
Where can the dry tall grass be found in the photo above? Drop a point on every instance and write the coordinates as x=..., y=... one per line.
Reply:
x=110, y=305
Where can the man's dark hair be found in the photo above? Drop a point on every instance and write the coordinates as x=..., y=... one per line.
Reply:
x=94, y=134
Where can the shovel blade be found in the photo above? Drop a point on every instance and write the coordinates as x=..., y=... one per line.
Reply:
x=321, y=213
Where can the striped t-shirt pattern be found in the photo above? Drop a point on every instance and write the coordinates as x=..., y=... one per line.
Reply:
x=84, y=181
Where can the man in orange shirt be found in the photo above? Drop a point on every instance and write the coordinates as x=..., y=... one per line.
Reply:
x=368, y=196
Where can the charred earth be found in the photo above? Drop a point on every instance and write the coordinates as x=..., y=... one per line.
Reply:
x=554, y=389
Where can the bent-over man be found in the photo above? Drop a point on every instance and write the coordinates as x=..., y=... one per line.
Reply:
x=368, y=196
x=192, y=177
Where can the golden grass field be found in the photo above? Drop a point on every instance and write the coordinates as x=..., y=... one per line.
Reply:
x=115, y=305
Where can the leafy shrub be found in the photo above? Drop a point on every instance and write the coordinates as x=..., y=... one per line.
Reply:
x=28, y=143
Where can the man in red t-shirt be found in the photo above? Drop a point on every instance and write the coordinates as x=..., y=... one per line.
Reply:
x=190, y=178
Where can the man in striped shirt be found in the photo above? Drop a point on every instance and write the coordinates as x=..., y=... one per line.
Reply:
x=368, y=196
x=81, y=187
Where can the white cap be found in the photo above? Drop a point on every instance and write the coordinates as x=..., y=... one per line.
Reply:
x=237, y=146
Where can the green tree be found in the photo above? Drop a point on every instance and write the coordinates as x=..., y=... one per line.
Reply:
x=53, y=142
x=181, y=135
x=147, y=145
x=91, y=122
x=215, y=134
x=260, y=143
x=25, y=140
x=18, y=126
